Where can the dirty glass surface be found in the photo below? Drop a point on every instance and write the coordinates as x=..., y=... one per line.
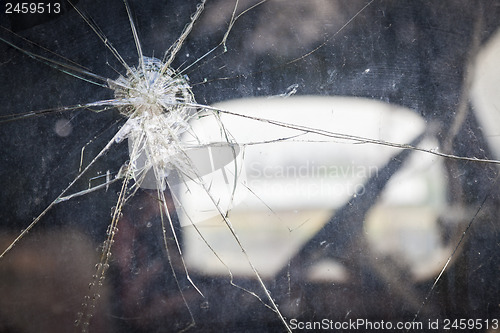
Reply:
x=355, y=188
